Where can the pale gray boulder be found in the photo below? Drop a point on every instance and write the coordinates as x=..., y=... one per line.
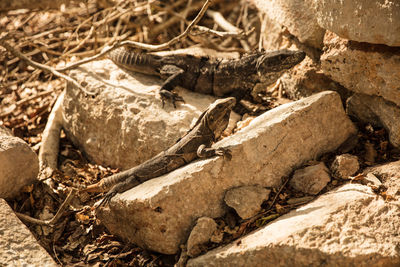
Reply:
x=159, y=213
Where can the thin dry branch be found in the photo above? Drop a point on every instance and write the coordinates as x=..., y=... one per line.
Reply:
x=25, y=100
x=38, y=65
x=226, y=25
x=238, y=35
x=148, y=47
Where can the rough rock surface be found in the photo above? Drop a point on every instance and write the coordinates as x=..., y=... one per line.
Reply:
x=125, y=123
x=19, y=165
x=307, y=78
x=376, y=21
x=159, y=213
x=344, y=166
x=246, y=200
x=363, y=68
x=301, y=24
x=18, y=247
x=349, y=226
x=311, y=179
x=372, y=180
x=378, y=112
x=389, y=175
x=200, y=234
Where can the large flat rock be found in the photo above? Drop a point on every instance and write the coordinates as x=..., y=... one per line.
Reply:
x=19, y=165
x=363, y=68
x=18, y=247
x=125, y=123
x=159, y=213
x=376, y=21
x=349, y=226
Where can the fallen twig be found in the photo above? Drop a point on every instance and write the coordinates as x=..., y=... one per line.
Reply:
x=38, y=65
x=143, y=46
x=238, y=35
x=226, y=25
x=23, y=101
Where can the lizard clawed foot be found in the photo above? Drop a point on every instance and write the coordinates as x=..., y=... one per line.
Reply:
x=204, y=152
x=107, y=198
x=225, y=152
x=168, y=95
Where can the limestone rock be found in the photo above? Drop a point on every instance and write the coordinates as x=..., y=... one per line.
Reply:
x=371, y=179
x=363, y=68
x=376, y=22
x=200, y=234
x=388, y=174
x=307, y=78
x=246, y=200
x=311, y=179
x=18, y=247
x=125, y=123
x=272, y=34
x=297, y=17
x=378, y=112
x=344, y=166
x=349, y=226
x=159, y=213
x=19, y=165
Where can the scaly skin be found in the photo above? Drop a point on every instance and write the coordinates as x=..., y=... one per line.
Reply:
x=196, y=143
x=233, y=77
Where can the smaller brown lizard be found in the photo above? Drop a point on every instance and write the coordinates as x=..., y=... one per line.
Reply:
x=195, y=144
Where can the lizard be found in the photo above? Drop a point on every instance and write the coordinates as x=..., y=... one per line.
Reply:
x=196, y=143
x=234, y=77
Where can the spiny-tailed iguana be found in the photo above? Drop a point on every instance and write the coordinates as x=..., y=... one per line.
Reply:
x=196, y=143
x=233, y=77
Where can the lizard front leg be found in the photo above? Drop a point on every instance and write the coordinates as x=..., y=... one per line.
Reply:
x=119, y=188
x=208, y=152
x=175, y=79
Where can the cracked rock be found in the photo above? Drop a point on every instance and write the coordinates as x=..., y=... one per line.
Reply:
x=200, y=234
x=344, y=166
x=246, y=200
x=311, y=179
x=363, y=68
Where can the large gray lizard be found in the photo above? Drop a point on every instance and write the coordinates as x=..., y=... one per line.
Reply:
x=233, y=77
x=196, y=143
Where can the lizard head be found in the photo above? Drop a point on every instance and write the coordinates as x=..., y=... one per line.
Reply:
x=276, y=62
x=217, y=115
